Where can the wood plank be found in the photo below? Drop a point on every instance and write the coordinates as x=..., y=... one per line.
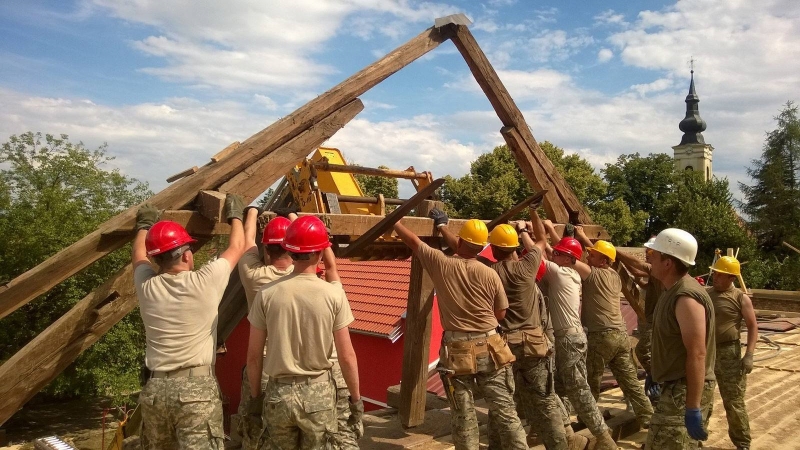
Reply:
x=510, y=115
x=94, y=246
x=256, y=178
x=232, y=308
x=210, y=205
x=190, y=171
x=417, y=338
x=554, y=208
x=388, y=222
x=225, y=152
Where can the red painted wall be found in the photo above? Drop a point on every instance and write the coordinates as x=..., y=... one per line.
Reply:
x=229, y=368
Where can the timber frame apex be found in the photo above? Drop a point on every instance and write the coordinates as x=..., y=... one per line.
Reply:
x=249, y=168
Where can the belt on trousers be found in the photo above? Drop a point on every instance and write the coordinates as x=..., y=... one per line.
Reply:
x=197, y=371
x=731, y=342
x=567, y=331
x=463, y=335
x=304, y=379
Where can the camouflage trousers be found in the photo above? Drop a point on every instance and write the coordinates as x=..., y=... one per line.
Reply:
x=533, y=380
x=612, y=348
x=497, y=387
x=250, y=433
x=344, y=438
x=571, y=372
x=667, y=428
x=643, y=347
x=299, y=415
x=732, y=385
x=181, y=413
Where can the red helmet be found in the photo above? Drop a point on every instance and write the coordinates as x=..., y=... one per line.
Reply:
x=542, y=270
x=306, y=235
x=275, y=231
x=700, y=280
x=165, y=236
x=570, y=246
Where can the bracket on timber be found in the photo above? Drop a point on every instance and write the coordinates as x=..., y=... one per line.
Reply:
x=249, y=168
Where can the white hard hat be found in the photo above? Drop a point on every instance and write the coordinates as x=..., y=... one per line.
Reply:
x=650, y=241
x=675, y=242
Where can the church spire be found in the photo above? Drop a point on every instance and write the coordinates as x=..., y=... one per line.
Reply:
x=692, y=125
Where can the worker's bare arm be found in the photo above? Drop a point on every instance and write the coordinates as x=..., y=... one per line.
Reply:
x=583, y=269
x=139, y=251
x=749, y=315
x=250, y=230
x=449, y=237
x=329, y=260
x=410, y=239
x=348, y=362
x=580, y=235
x=539, y=232
x=692, y=322
x=255, y=362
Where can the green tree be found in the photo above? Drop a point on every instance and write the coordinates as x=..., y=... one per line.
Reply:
x=52, y=193
x=495, y=184
x=705, y=209
x=772, y=203
x=641, y=182
x=374, y=185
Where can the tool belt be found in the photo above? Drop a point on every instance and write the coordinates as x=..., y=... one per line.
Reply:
x=304, y=379
x=198, y=371
x=534, y=342
x=462, y=355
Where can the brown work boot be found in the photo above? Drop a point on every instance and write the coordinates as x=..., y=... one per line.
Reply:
x=575, y=441
x=603, y=442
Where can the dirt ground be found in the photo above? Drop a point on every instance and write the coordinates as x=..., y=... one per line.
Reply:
x=78, y=422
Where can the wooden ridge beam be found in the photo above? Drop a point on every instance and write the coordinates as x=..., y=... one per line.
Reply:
x=256, y=178
x=511, y=116
x=630, y=290
x=102, y=241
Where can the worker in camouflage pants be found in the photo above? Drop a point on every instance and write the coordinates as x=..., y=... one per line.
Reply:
x=731, y=307
x=181, y=404
x=607, y=337
x=564, y=291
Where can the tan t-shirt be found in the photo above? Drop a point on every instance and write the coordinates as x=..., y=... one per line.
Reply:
x=300, y=312
x=563, y=296
x=180, y=314
x=519, y=283
x=469, y=292
x=669, y=354
x=601, y=292
x=727, y=312
x=255, y=274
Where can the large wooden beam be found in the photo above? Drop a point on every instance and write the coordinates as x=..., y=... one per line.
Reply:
x=553, y=206
x=94, y=246
x=630, y=290
x=510, y=115
x=256, y=178
x=417, y=339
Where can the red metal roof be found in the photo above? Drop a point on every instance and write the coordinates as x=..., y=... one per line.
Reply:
x=378, y=294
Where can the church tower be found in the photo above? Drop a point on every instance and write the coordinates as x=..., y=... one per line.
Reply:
x=693, y=153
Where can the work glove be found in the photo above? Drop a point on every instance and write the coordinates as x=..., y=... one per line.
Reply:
x=747, y=363
x=284, y=212
x=651, y=388
x=693, y=419
x=356, y=415
x=439, y=217
x=234, y=207
x=255, y=408
x=569, y=230
x=146, y=216
x=259, y=210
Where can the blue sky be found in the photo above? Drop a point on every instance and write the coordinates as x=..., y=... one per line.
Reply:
x=169, y=83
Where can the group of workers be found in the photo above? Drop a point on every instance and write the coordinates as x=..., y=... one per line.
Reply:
x=531, y=330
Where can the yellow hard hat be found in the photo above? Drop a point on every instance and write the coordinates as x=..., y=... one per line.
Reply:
x=475, y=232
x=504, y=236
x=727, y=264
x=605, y=248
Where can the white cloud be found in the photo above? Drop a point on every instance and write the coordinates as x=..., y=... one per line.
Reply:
x=150, y=141
x=258, y=44
x=656, y=86
x=604, y=55
x=610, y=17
x=556, y=45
